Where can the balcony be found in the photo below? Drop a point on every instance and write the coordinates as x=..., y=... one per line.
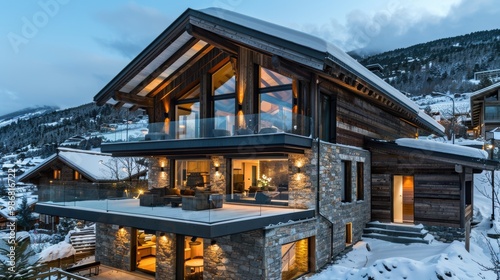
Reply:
x=241, y=134
x=120, y=204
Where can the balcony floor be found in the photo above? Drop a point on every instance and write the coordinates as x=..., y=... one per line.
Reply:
x=208, y=223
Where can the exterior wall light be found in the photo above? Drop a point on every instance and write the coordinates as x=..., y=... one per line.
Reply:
x=213, y=242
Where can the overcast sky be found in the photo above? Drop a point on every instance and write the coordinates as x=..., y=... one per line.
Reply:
x=62, y=52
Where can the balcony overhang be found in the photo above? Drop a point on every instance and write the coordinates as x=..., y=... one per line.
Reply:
x=241, y=144
x=213, y=229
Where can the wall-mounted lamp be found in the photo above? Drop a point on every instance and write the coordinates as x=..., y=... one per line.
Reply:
x=120, y=227
x=165, y=115
x=162, y=234
x=213, y=242
x=240, y=107
x=193, y=239
x=298, y=170
x=216, y=169
x=162, y=169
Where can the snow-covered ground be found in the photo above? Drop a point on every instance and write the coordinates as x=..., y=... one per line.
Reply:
x=377, y=259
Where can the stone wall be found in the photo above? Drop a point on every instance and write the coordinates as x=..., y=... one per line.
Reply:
x=165, y=256
x=278, y=236
x=446, y=234
x=302, y=186
x=331, y=207
x=238, y=256
x=114, y=246
x=156, y=177
x=217, y=178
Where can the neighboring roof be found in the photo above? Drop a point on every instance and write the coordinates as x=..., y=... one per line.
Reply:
x=476, y=102
x=442, y=147
x=141, y=76
x=442, y=152
x=91, y=164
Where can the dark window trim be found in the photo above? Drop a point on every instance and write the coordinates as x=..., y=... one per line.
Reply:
x=347, y=181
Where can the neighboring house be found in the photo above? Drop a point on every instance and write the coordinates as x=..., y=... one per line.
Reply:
x=294, y=135
x=485, y=110
x=85, y=174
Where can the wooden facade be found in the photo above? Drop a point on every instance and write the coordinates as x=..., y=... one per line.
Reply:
x=442, y=188
x=485, y=110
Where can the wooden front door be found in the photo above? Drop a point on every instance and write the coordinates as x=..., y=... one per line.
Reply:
x=402, y=199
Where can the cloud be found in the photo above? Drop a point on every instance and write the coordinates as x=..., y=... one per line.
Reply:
x=7, y=94
x=402, y=24
x=133, y=28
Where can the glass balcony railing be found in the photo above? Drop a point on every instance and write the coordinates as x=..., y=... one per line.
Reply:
x=134, y=199
x=188, y=127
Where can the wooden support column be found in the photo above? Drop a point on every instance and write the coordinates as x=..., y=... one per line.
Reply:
x=245, y=92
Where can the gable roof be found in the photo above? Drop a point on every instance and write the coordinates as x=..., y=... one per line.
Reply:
x=476, y=101
x=142, y=78
x=92, y=165
x=427, y=150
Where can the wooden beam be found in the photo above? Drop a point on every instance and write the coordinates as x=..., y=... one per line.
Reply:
x=182, y=69
x=146, y=102
x=169, y=61
x=212, y=39
x=118, y=105
x=292, y=70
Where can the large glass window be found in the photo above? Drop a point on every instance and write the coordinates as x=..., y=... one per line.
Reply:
x=295, y=259
x=191, y=173
x=492, y=113
x=146, y=251
x=275, y=101
x=223, y=93
x=252, y=176
x=193, y=257
x=187, y=114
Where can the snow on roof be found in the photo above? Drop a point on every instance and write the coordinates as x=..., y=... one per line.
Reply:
x=92, y=164
x=34, y=169
x=442, y=147
x=486, y=89
x=331, y=51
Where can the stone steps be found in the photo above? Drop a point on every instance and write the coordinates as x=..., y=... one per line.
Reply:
x=405, y=234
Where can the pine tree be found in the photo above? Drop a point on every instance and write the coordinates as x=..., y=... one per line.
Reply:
x=24, y=214
x=23, y=265
x=65, y=225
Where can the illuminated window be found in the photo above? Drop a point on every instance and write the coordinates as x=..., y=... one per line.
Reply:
x=191, y=173
x=252, y=175
x=223, y=94
x=77, y=175
x=275, y=101
x=57, y=174
x=295, y=259
x=187, y=114
x=348, y=233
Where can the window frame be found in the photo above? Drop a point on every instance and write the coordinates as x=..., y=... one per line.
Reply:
x=346, y=190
